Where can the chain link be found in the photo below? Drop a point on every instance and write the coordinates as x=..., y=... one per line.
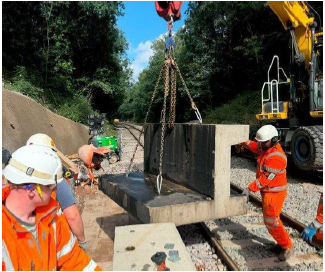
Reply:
x=170, y=67
x=163, y=125
x=172, y=109
x=193, y=106
x=145, y=120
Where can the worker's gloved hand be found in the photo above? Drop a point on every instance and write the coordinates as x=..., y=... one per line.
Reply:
x=243, y=144
x=308, y=233
x=246, y=193
x=83, y=244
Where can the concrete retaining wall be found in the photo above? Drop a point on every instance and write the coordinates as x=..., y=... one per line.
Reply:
x=23, y=117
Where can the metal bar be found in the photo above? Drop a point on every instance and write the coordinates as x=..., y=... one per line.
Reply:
x=135, y=137
x=220, y=250
x=284, y=217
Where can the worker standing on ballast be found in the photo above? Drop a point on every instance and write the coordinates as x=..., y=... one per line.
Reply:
x=271, y=181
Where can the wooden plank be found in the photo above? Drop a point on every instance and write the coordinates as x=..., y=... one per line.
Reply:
x=67, y=162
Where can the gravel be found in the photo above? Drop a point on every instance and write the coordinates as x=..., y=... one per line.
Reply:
x=202, y=253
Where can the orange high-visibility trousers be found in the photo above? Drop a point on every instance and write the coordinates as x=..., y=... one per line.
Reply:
x=319, y=218
x=272, y=206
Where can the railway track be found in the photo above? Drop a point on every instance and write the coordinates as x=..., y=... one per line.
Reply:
x=243, y=242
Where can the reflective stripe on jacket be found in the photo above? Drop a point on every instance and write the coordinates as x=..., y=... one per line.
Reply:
x=271, y=169
x=55, y=248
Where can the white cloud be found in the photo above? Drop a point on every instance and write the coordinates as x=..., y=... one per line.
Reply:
x=142, y=53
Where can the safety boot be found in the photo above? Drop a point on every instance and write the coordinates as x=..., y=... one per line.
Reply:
x=286, y=254
x=277, y=249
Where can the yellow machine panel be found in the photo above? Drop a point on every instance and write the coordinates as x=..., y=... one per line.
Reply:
x=294, y=14
x=273, y=116
x=316, y=114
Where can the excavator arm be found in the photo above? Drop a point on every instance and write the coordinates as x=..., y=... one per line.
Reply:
x=296, y=17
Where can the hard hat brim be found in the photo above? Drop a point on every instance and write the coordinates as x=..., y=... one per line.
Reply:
x=261, y=141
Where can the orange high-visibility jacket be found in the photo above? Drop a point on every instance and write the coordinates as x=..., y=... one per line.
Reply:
x=271, y=169
x=319, y=216
x=55, y=248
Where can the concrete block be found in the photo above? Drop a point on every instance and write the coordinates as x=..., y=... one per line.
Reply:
x=196, y=172
x=134, y=245
x=22, y=117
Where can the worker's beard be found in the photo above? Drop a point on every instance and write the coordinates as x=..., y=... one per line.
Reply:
x=263, y=148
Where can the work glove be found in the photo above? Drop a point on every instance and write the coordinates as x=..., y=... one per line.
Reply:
x=246, y=193
x=308, y=233
x=243, y=144
x=83, y=244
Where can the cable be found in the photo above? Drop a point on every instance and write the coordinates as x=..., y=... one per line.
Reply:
x=320, y=19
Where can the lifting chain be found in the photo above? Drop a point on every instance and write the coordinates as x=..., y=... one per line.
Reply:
x=163, y=124
x=193, y=106
x=172, y=105
x=169, y=68
x=145, y=120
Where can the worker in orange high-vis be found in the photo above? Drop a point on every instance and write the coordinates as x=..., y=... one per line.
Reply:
x=35, y=233
x=271, y=181
x=314, y=232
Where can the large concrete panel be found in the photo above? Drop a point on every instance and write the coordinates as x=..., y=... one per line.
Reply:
x=23, y=117
x=188, y=157
x=200, y=151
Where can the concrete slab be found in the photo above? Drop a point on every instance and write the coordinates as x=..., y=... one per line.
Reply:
x=135, y=245
x=183, y=199
x=22, y=117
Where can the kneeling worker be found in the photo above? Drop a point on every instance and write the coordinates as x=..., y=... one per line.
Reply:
x=271, y=181
x=35, y=234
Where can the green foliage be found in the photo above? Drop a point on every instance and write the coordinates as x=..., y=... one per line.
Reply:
x=22, y=82
x=223, y=50
x=68, y=55
x=109, y=130
x=240, y=110
x=77, y=109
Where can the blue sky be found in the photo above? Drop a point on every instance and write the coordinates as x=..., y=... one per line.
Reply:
x=141, y=26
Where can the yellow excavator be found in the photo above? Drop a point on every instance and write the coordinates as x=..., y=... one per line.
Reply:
x=294, y=102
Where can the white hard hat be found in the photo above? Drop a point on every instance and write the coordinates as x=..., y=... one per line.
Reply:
x=34, y=164
x=266, y=133
x=41, y=139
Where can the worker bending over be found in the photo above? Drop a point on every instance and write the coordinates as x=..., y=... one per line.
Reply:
x=64, y=194
x=271, y=181
x=35, y=233
x=314, y=232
